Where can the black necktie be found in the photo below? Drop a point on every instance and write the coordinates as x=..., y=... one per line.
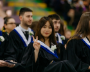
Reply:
x=26, y=33
x=57, y=38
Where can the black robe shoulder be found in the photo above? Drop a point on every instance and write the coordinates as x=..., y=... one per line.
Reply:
x=3, y=45
x=78, y=54
x=15, y=48
x=45, y=62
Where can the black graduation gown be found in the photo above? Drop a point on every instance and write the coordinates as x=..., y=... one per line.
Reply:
x=15, y=51
x=78, y=54
x=43, y=61
x=65, y=41
x=15, y=48
x=3, y=45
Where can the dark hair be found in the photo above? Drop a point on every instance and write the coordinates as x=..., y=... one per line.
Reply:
x=62, y=28
x=23, y=10
x=52, y=37
x=34, y=25
x=6, y=19
x=40, y=24
x=54, y=16
x=83, y=27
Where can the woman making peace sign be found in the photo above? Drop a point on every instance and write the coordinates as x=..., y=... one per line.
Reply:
x=43, y=53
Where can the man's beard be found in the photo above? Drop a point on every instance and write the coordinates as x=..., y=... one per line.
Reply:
x=25, y=24
x=56, y=31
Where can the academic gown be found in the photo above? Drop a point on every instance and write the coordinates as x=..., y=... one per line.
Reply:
x=58, y=38
x=3, y=45
x=65, y=41
x=16, y=47
x=45, y=57
x=78, y=53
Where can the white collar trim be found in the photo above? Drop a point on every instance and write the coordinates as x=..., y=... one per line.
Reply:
x=86, y=41
x=59, y=38
x=41, y=43
x=18, y=29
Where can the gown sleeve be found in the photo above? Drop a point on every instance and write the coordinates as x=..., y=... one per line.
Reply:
x=44, y=63
x=62, y=54
x=73, y=58
x=3, y=46
x=28, y=60
x=14, y=49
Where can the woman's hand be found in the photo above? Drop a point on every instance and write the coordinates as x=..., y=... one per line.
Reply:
x=36, y=44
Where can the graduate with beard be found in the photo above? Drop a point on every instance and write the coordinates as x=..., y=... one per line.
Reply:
x=44, y=54
x=20, y=37
x=9, y=25
x=58, y=27
x=78, y=47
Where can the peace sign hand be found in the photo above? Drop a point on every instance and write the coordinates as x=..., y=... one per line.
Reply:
x=36, y=44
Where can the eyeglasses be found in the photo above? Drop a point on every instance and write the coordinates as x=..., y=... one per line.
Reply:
x=11, y=23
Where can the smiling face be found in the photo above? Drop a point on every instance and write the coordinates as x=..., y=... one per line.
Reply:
x=46, y=30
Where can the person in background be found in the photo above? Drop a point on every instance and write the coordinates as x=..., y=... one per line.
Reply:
x=20, y=37
x=78, y=46
x=67, y=36
x=9, y=25
x=58, y=27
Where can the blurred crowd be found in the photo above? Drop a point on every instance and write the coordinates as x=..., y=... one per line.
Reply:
x=70, y=10
x=6, y=11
